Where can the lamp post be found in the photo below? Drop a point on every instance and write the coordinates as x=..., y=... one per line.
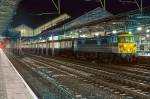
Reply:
x=103, y=4
x=20, y=41
x=53, y=49
x=20, y=45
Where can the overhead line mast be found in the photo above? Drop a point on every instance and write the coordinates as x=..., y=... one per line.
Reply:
x=57, y=6
x=103, y=4
x=139, y=3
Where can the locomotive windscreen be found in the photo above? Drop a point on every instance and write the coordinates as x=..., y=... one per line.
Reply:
x=91, y=42
x=104, y=41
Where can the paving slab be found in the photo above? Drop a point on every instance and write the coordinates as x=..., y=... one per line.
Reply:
x=12, y=85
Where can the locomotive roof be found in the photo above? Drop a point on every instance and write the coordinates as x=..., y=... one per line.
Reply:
x=125, y=34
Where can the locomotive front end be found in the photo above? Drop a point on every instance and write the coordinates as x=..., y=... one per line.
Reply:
x=126, y=44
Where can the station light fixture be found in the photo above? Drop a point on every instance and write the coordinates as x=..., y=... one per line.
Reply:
x=50, y=38
x=143, y=38
x=114, y=23
x=139, y=28
x=96, y=34
x=130, y=32
x=147, y=35
x=43, y=40
x=83, y=35
x=80, y=31
x=96, y=27
x=23, y=30
x=114, y=31
x=147, y=30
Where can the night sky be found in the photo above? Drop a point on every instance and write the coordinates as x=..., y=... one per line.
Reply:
x=28, y=9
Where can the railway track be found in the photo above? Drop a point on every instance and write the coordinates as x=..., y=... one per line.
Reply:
x=140, y=75
x=45, y=66
x=105, y=75
x=114, y=69
x=144, y=67
x=104, y=78
x=40, y=69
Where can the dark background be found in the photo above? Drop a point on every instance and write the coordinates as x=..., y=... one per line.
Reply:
x=28, y=9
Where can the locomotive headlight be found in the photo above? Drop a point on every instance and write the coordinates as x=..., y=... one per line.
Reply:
x=128, y=50
x=125, y=45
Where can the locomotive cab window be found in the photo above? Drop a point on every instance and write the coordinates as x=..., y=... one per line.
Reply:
x=126, y=39
x=79, y=42
x=132, y=39
x=115, y=40
x=93, y=41
x=104, y=41
x=129, y=39
x=121, y=39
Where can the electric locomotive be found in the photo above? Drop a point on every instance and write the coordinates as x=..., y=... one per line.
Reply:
x=123, y=43
x=118, y=46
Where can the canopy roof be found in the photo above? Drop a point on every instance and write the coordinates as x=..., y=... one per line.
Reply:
x=122, y=21
x=7, y=10
x=94, y=15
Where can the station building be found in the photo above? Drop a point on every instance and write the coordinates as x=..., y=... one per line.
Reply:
x=27, y=31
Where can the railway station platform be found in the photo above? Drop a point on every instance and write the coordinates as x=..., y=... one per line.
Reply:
x=12, y=85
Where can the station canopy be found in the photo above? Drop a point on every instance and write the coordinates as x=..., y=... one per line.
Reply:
x=94, y=15
x=122, y=22
x=7, y=11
